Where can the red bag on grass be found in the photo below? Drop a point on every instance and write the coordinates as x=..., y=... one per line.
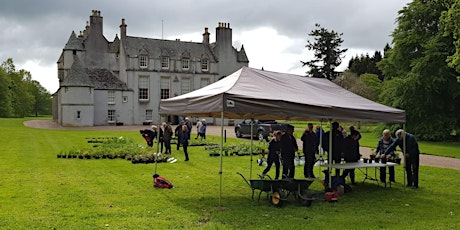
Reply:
x=161, y=182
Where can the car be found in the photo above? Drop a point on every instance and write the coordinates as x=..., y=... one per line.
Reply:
x=262, y=129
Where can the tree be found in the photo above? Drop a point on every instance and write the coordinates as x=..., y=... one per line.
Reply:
x=421, y=82
x=42, y=99
x=327, y=54
x=6, y=109
x=450, y=24
x=365, y=64
x=21, y=96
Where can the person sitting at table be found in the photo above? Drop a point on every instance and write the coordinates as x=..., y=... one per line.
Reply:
x=384, y=142
x=351, y=154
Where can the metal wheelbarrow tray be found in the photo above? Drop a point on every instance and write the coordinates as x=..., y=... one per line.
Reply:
x=278, y=191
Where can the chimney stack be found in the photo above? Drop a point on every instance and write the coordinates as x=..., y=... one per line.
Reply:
x=123, y=29
x=206, y=36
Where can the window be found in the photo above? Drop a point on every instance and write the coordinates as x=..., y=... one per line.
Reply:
x=149, y=115
x=164, y=87
x=185, y=63
x=165, y=62
x=143, y=88
x=143, y=61
x=125, y=99
x=111, y=97
x=186, y=85
x=78, y=114
x=204, y=64
x=204, y=82
x=111, y=116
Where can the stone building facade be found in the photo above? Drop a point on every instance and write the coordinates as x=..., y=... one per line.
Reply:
x=105, y=82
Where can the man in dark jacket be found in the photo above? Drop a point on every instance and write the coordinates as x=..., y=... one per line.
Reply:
x=351, y=154
x=288, y=146
x=337, y=145
x=411, y=153
x=310, y=148
x=178, y=133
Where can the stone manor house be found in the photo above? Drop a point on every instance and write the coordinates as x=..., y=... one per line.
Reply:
x=121, y=82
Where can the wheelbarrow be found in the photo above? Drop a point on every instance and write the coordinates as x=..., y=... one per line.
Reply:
x=278, y=191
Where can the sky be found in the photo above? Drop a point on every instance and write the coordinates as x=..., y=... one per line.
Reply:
x=274, y=33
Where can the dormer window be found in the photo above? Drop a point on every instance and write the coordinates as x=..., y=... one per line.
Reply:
x=143, y=61
x=204, y=64
x=165, y=62
x=185, y=63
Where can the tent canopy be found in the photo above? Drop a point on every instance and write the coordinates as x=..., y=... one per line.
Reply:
x=251, y=93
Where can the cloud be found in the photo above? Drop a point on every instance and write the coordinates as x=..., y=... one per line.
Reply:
x=274, y=33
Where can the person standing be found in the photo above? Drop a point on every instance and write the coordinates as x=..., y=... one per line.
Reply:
x=288, y=146
x=167, y=136
x=352, y=128
x=337, y=145
x=310, y=148
x=351, y=154
x=382, y=145
x=274, y=151
x=158, y=133
x=178, y=133
x=184, y=140
x=411, y=155
x=203, y=129
x=198, y=128
x=188, y=123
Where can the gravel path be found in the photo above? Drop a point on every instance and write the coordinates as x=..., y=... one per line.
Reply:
x=428, y=160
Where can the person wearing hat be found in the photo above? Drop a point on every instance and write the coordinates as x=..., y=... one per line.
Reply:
x=411, y=153
x=288, y=145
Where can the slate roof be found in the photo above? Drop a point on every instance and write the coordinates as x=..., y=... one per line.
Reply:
x=114, y=46
x=105, y=79
x=77, y=75
x=74, y=42
x=242, y=55
x=174, y=49
x=101, y=79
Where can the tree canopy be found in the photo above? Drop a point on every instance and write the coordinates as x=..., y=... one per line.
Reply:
x=21, y=96
x=327, y=53
x=420, y=69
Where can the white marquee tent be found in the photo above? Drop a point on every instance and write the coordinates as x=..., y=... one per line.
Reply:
x=257, y=94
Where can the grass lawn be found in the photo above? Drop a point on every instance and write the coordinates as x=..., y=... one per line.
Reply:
x=40, y=191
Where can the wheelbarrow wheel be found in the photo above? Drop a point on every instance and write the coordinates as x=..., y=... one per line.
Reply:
x=276, y=198
x=306, y=198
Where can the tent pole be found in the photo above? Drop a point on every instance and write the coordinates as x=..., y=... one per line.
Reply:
x=404, y=154
x=320, y=147
x=329, y=161
x=221, y=153
x=252, y=147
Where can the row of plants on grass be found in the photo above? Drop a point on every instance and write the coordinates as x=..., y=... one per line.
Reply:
x=120, y=147
x=240, y=149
